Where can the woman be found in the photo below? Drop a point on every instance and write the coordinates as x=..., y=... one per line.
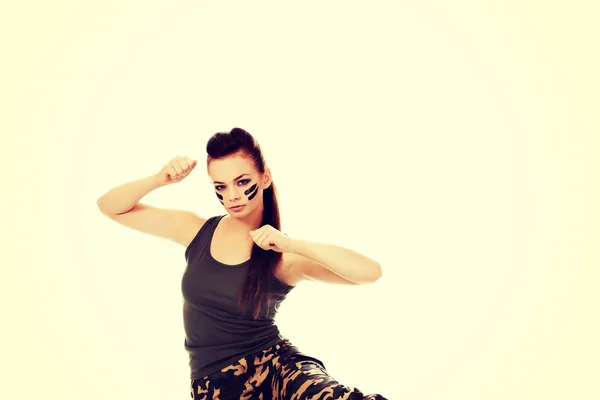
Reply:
x=239, y=269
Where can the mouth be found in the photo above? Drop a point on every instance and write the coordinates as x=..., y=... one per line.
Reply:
x=237, y=207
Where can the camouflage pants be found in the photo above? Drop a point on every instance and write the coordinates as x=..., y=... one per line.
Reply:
x=271, y=374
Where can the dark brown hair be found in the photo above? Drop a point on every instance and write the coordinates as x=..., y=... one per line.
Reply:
x=255, y=290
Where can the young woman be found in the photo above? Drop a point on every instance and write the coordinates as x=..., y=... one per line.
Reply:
x=240, y=267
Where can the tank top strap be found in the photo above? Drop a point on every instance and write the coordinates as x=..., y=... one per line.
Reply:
x=203, y=237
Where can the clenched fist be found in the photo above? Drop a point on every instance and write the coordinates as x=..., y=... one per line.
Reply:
x=175, y=170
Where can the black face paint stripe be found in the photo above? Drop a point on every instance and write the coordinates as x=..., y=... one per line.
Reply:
x=253, y=194
x=219, y=196
x=246, y=192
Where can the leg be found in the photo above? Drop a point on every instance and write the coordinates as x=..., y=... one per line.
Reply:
x=300, y=377
x=227, y=383
x=245, y=379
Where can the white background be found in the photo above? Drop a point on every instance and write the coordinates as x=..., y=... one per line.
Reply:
x=452, y=143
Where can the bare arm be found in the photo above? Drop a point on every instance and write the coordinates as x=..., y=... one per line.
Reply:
x=124, y=197
x=122, y=204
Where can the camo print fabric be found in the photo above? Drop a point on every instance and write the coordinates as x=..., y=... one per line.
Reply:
x=277, y=375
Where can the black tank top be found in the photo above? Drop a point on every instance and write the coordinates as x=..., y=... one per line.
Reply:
x=217, y=332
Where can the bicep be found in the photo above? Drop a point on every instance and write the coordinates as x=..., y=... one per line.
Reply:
x=304, y=268
x=179, y=226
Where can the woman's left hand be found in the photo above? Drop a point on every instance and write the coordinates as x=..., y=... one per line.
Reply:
x=268, y=238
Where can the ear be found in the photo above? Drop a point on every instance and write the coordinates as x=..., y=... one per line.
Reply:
x=267, y=178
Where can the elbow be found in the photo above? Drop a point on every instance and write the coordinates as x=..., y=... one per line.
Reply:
x=377, y=273
x=374, y=275
x=102, y=206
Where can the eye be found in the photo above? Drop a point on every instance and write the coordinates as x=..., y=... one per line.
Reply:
x=242, y=182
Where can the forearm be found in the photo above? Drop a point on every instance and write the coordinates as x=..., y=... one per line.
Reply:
x=344, y=262
x=124, y=197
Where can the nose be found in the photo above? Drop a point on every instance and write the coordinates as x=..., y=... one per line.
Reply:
x=233, y=195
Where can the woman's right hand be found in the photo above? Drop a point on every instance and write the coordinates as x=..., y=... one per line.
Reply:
x=175, y=170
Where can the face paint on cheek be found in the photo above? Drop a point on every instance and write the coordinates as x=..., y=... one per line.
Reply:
x=220, y=198
x=253, y=188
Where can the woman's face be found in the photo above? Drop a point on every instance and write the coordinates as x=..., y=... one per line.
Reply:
x=236, y=182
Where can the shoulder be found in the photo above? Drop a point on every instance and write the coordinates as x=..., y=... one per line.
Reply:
x=195, y=222
x=192, y=227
